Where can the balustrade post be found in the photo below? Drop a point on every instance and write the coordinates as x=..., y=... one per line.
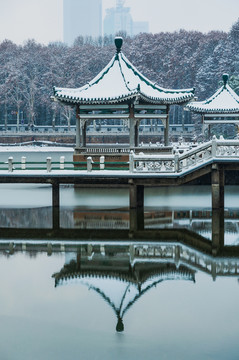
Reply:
x=131, y=161
x=102, y=162
x=23, y=163
x=89, y=164
x=176, y=162
x=62, y=162
x=10, y=164
x=48, y=164
x=214, y=146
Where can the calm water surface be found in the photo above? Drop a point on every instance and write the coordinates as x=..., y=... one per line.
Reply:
x=176, y=319
x=65, y=304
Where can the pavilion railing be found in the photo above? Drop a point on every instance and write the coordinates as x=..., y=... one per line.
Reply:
x=181, y=254
x=175, y=162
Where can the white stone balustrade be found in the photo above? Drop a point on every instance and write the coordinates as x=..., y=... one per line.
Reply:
x=175, y=163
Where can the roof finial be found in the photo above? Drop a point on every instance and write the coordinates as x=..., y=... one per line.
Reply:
x=225, y=79
x=118, y=43
x=120, y=325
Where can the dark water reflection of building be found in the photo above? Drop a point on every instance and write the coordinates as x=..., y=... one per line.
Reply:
x=197, y=220
x=122, y=274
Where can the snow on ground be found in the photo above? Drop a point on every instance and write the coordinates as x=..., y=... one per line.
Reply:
x=32, y=148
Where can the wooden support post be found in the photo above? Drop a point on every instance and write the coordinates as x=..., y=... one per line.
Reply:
x=136, y=195
x=55, y=205
x=217, y=208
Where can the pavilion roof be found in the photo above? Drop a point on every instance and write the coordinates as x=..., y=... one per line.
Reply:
x=146, y=272
x=120, y=81
x=224, y=101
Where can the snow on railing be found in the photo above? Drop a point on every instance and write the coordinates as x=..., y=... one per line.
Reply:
x=138, y=163
x=174, y=163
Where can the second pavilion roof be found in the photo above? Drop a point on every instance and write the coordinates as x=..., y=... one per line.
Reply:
x=120, y=81
x=225, y=100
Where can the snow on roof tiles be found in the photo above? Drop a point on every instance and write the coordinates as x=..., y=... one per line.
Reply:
x=225, y=100
x=120, y=81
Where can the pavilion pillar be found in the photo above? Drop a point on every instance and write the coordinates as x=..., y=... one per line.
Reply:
x=217, y=188
x=209, y=131
x=166, y=132
x=83, y=130
x=166, y=129
x=203, y=125
x=77, y=127
x=132, y=134
x=136, y=206
x=136, y=133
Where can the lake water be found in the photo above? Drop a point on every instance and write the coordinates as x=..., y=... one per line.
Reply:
x=170, y=300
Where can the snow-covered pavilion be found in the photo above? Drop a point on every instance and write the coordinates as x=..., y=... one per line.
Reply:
x=221, y=108
x=120, y=91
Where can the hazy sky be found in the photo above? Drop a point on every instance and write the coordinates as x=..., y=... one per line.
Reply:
x=42, y=19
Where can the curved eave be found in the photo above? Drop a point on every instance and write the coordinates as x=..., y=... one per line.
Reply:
x=134, y=95
x=180, y=99
x=61, y=278
x=203, y=110
x=224, y=94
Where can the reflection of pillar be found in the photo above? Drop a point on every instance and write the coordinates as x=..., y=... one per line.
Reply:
x=217, y=230
x=136, y=195
x=217, y=207
x=217, y=187
x=55, y=205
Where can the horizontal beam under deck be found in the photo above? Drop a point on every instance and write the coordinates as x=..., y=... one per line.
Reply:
x=115, y=177
x=181, y=236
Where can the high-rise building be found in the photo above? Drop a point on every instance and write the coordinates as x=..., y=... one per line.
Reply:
x=81, y=17
x=119, y=19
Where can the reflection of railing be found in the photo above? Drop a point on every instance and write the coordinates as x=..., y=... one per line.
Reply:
x=96, y=257
x=186, y=256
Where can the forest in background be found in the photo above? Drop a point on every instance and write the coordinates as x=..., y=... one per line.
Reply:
x=181, y=59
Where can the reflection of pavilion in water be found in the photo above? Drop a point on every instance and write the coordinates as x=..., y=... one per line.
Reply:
x=122, y=274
